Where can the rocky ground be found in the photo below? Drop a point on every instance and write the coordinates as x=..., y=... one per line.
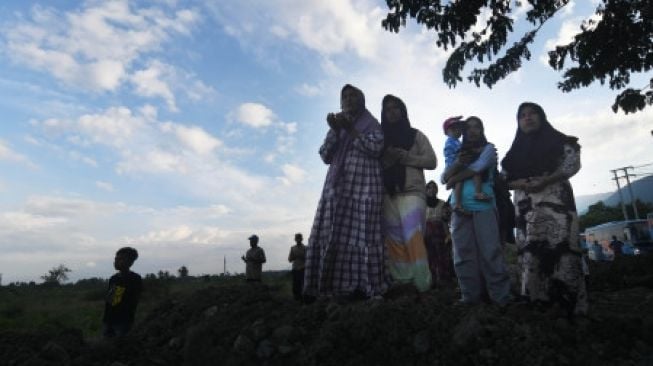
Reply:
x=260, y=325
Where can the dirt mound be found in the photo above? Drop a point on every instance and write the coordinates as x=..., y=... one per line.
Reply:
x=247, y=324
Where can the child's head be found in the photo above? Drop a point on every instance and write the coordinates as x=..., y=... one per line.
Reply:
x=453, y=127
x=125, y=258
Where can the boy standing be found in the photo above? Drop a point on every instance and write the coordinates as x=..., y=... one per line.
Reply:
x=297, y=257
x=124, y=292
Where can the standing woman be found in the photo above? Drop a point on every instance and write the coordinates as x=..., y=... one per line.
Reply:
x=437, y=237
x=407, y=153
x=345, y=254
x=538, y=167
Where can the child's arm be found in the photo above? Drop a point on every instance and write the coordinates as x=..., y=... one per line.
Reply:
x=487, y=159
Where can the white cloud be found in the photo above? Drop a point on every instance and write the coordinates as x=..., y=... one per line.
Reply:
x=182, y=234
x=7, y=154
x=96, y=46
x=159, y=79
x=91, y=264
x=569, y=28
x=308, y=90
x=195, y=138
x=292, y=174
x=149, y=84
x=254, y=115
x=105, y=186
x=22, y=221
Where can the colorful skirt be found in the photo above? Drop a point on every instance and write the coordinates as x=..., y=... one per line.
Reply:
x=403, y=227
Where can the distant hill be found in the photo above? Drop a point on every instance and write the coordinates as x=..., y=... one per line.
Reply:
x=642, y=189
x=583, y=202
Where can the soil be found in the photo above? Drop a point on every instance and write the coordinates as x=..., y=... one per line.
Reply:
x=258, y=324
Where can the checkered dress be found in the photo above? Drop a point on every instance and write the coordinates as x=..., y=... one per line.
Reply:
x=346, y=252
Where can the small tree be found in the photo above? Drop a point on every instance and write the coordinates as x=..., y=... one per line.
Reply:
x=164, y=275
x=56, y=275
x=183, y=272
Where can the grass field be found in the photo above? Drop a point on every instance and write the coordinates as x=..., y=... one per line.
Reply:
x=38, y=307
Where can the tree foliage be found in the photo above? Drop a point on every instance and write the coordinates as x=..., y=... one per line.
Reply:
x=56, y=275
x=609, y=47
x=600, y=213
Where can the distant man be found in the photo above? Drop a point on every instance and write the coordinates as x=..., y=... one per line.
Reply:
x=254, y=259
x=598, y=251
x=617, y=246
x=297, y=257
x=122, y=298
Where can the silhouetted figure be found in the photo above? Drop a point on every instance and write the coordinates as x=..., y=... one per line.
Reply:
x=122, y=298
x=297, y=257
x=437, y=237
x=254, y=259
x=616, y=246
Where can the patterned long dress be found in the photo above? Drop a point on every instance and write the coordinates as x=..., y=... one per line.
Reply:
x=346, y=252
x=438, y=243
x=548, y=241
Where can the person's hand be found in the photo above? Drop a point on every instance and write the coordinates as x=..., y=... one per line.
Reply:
x=396, y=153
x=243, y=258
x=332, y=121
x=518, y=184
x=536, y=184
x=346, y=122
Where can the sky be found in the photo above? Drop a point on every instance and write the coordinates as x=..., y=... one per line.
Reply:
x=182, y=127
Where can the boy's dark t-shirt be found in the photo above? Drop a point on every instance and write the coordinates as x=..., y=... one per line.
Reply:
x=122, y=298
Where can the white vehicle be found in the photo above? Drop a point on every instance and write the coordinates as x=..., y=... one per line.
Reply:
x=635, y=234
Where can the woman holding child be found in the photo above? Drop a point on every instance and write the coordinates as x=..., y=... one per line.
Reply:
x=406, y=154
x=538, y=167
x=478, y=258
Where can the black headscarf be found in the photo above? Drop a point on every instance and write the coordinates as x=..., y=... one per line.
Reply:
x=400, y=135
x=536, y=153
x=482, y=141
x=432, y=201
x=357, y=91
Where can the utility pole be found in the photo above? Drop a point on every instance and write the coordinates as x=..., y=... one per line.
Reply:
x=630, y=190
x=621, y=197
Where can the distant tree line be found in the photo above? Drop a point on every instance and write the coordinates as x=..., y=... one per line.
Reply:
x=600, y=213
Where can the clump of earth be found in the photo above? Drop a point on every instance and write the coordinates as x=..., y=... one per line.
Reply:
x=258, y=324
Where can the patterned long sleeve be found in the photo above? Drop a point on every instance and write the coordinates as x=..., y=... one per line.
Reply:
x=329, y=146
x=570, y=162
x=370, y=144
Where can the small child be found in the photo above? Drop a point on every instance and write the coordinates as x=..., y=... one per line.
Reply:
x=462, y=155
x=123, y=295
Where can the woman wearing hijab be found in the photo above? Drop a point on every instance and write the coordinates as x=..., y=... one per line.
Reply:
x=345, y=255
x=437, y=237
x=477, y=253
x=538, y=167
x=407, y=153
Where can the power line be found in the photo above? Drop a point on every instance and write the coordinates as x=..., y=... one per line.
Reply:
x=642, y=165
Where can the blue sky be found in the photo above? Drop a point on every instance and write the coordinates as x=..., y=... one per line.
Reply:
x=181, y=127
